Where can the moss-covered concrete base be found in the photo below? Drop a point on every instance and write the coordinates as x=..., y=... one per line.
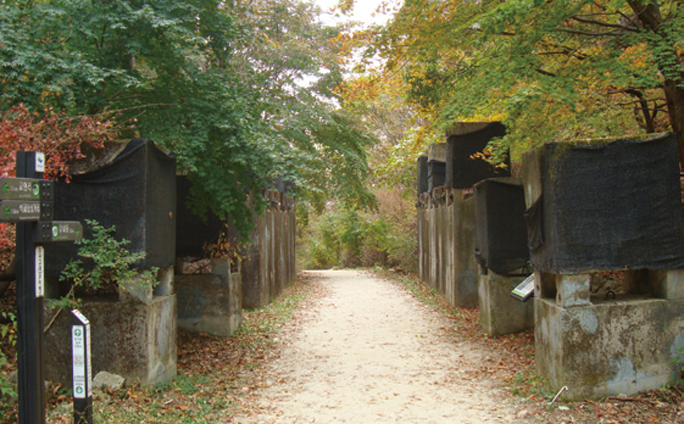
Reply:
x=210, y=303
x=131, y=339
x=500, y=313
x=608, y=348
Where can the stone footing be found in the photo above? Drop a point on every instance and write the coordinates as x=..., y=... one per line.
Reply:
x=607, y=348
x=500, y=313
x=134, y=340
x=446, y=241
x=210, y=303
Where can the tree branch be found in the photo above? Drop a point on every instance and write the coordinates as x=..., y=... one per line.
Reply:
x=649, y=14
x=547, y=73
x=104, y=30
x=603, y=24
x=645, y=110
x=589, y=33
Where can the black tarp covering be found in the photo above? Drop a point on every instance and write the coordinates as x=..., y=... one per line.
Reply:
x=607, y=206
x=462, y=170
x=500, y=230
x=422, y=172
x=436, y=173
x=192, y=232
x=136, y=192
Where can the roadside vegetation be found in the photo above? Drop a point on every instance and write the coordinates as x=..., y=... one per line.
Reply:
x=215, y=374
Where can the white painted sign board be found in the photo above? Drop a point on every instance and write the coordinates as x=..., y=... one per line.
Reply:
x=40, y=271
x=524, y=290
x=81, y=358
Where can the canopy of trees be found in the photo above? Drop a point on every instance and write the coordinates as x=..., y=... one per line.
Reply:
x=247, y=92
x=551, y=69
x=221, y=84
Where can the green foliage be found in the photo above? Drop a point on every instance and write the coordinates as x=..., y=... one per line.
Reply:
x=349, y=237
x=220, y=84
x=296, y=70
x=526, y=384
x=107, y=265
x=550, y=70
x=8, y=334
x=378, y=103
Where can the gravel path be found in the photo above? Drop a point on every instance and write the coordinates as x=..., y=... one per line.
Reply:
x=368, y=352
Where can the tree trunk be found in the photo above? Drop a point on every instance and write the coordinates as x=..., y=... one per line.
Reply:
x=651, y=18
x=675, y=107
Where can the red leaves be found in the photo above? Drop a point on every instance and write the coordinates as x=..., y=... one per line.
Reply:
x=61, y=138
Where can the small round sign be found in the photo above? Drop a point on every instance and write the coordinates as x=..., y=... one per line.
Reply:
x=55, y=231
x=77, y=333
x=35, y=190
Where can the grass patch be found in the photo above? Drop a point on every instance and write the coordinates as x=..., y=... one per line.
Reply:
x=528, y=384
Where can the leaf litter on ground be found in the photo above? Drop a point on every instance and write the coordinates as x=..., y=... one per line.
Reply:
x=511, y=357
x=217, y=376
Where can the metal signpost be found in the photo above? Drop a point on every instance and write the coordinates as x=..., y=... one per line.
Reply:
x=82, y=369
x=28, y=201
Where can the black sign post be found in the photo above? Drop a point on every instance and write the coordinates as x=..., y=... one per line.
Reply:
x=28, y=201
x=29, y=300
x=82, y=370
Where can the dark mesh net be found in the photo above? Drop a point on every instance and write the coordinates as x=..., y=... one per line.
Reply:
x=136, y=192
x=607, y=206
x=501, y=233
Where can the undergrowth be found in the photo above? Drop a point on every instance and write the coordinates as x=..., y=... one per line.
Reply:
x=213, y=373
x=422, y=292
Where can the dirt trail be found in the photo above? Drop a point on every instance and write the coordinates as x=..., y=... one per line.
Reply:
x=368, y=352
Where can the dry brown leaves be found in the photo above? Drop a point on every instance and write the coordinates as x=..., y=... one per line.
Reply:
x=510, y=358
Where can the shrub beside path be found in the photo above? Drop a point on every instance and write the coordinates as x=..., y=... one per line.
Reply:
x=368, y=352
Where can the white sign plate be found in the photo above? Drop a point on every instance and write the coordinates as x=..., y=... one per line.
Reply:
x=78, y=352
x=524, y=290
x=40, y=271
x=40, y=162
x=89, y=376
x=80, y=316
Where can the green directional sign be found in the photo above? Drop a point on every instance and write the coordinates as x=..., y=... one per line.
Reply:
x=53, y=231
x=25, y=210
x=19, y=210
x=26, y=189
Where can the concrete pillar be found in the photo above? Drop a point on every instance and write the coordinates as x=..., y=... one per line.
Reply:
x=609, y=348
x=500, y=313
x=573, y=290
x=668, y=284
x=210, y=303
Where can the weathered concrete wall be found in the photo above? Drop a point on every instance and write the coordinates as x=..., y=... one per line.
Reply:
x=446, y=235
x=605, y=349
x=129, y=338
x=210, y=303
x=269, y=263
x=500, y=313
